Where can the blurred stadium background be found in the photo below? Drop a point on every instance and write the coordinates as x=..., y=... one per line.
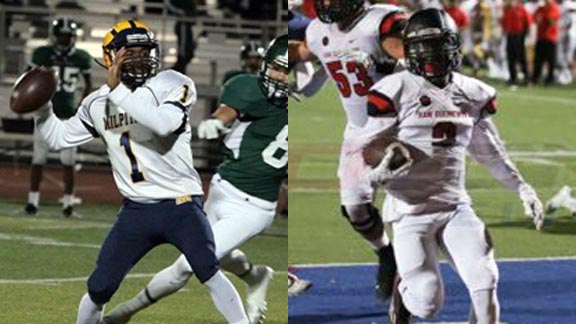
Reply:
x=46, y=258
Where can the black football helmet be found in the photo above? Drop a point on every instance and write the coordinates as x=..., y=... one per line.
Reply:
x=332, y=11
x=275, y=59
x=251, y=55
x=432, y=46
x=136, y=69
x=63, y=34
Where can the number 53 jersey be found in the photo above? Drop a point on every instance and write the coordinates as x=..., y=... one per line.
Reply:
x=147, y=166
x=256, y=149
x=439, y=122
x=348, y=56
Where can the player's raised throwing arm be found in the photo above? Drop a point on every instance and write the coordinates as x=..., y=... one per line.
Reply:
x=161, y=105
x=487, y=148
x=61, y=134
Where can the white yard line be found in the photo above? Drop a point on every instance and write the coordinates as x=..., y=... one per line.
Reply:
x=314, y=190
x=524, y=96
x=354, y=264
x=57, y=281
x=45, y=241
x=68, y=226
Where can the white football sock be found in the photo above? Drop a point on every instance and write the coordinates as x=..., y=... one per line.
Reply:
x=67, y=200
x=485, y=307
x=226, y=299
x=34, y=198
x=88, y=311
x=164, y=283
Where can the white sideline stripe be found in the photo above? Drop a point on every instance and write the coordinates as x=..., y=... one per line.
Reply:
x=540, y=161
x=556, y=153
x=355, y=264
x=56, y=281
x=561, y=100
x=315, y=190
x=67, y=226
x=45, y=241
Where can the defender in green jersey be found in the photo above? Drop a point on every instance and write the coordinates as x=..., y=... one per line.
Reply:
x=242, y=199
x=70, y=63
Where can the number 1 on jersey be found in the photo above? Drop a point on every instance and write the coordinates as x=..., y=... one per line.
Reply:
x=136, y=174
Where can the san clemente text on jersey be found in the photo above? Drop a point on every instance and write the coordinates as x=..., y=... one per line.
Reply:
x=118, y=120
x=443, y=114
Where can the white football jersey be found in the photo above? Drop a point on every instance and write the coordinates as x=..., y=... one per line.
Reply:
x=147, y=166
x=440, y=122
x=348, y=57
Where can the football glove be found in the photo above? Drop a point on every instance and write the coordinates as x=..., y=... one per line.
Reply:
x=211, y=129
x=383, y=172
x=532, y=205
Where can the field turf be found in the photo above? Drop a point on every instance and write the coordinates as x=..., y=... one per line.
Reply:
x=45, y=261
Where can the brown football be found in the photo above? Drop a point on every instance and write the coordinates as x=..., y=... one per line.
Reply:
x=33, y=89
x=374, y=151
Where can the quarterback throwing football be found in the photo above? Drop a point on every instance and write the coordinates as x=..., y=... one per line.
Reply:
x=142, y=116
x=444, y=114
x=244, y=191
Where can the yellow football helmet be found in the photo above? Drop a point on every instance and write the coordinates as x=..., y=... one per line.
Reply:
x=139, y=66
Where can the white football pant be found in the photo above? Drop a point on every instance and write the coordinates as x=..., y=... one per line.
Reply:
x=462, y=237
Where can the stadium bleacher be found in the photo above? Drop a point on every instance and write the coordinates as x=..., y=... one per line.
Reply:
x=218, y=38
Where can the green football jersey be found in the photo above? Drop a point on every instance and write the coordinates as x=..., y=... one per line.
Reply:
x=256, y=150
x=230, y=74
x=69, y=68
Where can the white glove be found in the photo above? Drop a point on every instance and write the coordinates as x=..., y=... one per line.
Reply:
x=294, y=3
x=211, y=129
x=382, y=173
x=532, y=205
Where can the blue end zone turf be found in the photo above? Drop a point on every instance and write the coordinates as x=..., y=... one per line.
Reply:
x=531, y=292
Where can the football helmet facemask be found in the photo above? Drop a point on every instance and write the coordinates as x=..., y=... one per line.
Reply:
x=332, y=11
x=63, y=34
x=432, y=46
x=274, y=72
x=140, y=65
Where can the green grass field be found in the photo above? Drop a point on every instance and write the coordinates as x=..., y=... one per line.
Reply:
x=538, y=127
x=45, y=261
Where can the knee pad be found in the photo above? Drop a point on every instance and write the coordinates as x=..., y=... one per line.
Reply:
x=481, y=274
x=365, y=219
x=422, y=294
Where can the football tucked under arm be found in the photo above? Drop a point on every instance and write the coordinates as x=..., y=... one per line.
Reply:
x=389, y=157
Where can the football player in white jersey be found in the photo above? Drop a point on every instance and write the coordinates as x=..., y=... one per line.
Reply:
x=142, y=116
x=244, y=192
x=442, y=114
x=357, y=46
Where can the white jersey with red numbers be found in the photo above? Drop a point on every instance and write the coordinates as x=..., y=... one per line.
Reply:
x=146, y=132
x=348, y=56
x=440, y=122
